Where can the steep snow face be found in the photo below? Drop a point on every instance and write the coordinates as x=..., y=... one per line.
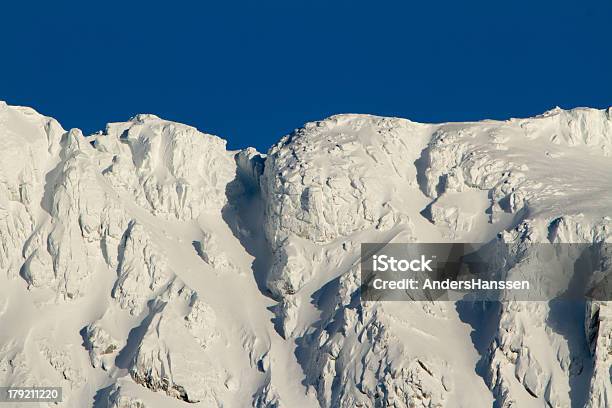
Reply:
x=28, y=141
x=545, y=164
x=471, y=181
x=79, y=230
x=168, y=168
x=541, y=169
x=174, y=355
x=322, y=182
x=137, y=264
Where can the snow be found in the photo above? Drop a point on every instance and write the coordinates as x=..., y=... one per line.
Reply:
x=148, y=266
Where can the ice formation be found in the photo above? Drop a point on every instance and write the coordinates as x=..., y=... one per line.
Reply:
x=149, y=266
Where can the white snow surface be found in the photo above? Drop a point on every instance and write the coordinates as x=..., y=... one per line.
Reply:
x=148, y=266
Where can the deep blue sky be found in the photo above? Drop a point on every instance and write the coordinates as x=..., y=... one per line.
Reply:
x=251, y=71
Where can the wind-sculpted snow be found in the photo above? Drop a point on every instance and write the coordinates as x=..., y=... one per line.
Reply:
x=539, y=343
x=169, y=359
x=168, y=168
x=147, y=266
x=141, y=270
x=357, y=358
x=28, y=141
x=320, y=182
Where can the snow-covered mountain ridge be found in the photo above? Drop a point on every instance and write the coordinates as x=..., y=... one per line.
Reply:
x=148, y=266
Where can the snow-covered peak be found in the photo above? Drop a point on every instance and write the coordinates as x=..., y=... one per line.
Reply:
x=169, y=168
x=148, y=266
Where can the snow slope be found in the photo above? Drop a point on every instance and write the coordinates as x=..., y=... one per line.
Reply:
x=148, y=266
